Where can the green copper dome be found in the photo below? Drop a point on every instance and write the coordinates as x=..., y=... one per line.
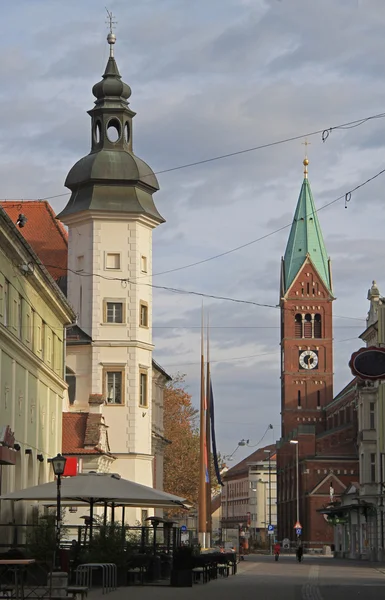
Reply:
x=305, y=239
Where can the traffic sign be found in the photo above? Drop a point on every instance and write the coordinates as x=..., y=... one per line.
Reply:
x=270, y=528
x=298, y=525
x=298, y=530
x=183, y=528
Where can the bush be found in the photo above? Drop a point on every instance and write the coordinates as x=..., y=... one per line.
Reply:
x=41, y=539
x=107, y=545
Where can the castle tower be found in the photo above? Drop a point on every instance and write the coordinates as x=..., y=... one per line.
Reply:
x=306, y=319
x=110, y=217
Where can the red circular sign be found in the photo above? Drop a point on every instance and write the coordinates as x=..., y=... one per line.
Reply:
x=368, y=363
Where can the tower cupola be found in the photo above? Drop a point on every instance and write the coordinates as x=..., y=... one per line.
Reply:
x=111, y=178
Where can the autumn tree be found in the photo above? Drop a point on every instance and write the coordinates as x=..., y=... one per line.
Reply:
x=181, y=458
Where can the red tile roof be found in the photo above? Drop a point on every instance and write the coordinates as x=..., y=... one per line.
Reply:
x=74, y=434
x=257, y=456
x=43, y=232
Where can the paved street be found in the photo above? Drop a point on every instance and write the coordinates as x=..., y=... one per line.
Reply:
x=314, y=579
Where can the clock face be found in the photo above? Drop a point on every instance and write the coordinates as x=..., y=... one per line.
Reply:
x=308, y=359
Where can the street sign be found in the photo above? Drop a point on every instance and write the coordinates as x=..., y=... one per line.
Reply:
x=298, y=530
x=183, y=528
x=368, y=363
x=298, y=525
x=270, y=529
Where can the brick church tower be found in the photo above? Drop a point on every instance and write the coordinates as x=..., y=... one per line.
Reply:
x=306, y=298
x=306, y=318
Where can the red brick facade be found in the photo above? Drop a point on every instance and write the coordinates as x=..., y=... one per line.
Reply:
x=325, y=428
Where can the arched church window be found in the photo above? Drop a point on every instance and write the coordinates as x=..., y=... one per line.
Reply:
x=298, y=326
x=126, y=132
x=317, y=326
x=71, y=382
x=307, y=329
x=114, y=130
x=97, y=132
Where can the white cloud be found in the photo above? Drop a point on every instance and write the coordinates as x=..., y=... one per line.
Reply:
x=208, y=79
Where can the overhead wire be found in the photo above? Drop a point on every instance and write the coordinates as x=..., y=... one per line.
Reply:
x=325, y=133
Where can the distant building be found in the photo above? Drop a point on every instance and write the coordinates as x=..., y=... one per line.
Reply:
x=33, y=317
x=249, y=495
x=358, y=518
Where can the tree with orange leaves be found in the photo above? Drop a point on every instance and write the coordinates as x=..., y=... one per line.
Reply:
x=181, y=457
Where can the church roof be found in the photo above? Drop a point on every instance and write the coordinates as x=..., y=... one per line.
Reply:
x=306, y=239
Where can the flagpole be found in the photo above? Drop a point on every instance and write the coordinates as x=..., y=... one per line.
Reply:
x=202, y=506
x=208, y=441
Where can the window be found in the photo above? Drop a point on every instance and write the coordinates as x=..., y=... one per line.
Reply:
x=299, y=398
x=298, y=326
x=307, y=330
x=6, y=303
x=113, y=380
x=71, y=382
x=144, y=516
x=143, y=400
x=143, y=314
x=372, y=415
x=144, y=264
x=317, y=326
x=20, y=317
x=308, y=288
x=80, y=263
x=114, y=312
x=372, y=468
x=113, y=260
x=42, y=340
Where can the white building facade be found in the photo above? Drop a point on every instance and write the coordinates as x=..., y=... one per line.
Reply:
x=249, y=495
x=110, y=218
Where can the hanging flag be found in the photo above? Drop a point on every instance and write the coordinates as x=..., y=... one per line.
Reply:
x=213, y=440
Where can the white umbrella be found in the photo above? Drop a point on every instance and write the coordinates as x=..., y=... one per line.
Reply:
x=100, y=488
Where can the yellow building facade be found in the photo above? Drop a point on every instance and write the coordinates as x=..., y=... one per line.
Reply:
x=33, y=317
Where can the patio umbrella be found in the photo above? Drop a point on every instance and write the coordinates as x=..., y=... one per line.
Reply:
x=99, y=488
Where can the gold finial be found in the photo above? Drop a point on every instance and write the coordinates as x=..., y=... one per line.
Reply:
x=306, y=160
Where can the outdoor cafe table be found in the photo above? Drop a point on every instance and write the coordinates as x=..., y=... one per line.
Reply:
x=17, y=567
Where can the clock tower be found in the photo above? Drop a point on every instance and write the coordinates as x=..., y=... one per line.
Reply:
x=306, y=298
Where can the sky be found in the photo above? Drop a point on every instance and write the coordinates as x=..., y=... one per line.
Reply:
x=208, y=79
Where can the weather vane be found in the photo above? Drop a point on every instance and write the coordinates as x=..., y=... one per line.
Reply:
x=306, y=160
x=111, y=38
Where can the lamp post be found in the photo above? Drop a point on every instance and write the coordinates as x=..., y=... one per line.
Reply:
x=297, y=473
x=270, y=537
x=58, y=465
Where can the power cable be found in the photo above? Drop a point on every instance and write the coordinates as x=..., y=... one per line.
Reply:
x=325, y=132
x=190, y=292
x=347, y=197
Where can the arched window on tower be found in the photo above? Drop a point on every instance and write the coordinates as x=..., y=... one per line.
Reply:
x=307, y=329
x=298, y=326
x=317, y=326
x=71, y=381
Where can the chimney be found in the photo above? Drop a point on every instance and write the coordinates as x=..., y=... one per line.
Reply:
x=95, y=402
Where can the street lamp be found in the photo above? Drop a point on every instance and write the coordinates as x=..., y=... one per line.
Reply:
x=270, y=542
x=58, y=465
x=297, y=474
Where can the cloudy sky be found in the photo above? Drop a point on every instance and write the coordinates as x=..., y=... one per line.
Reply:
x=211, y=78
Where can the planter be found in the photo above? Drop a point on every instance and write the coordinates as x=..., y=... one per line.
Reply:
x=181, y=578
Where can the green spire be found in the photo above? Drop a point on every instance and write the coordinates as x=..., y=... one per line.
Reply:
x=305, y=239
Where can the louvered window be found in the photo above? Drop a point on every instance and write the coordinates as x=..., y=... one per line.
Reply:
x=317, y=326
x=307, y=333
x=298, y=326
